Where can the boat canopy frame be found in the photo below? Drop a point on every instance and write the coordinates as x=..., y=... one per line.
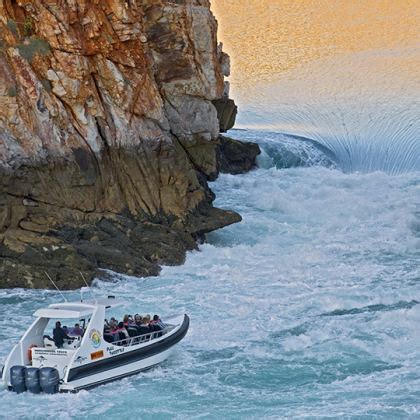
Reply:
x=79, y=310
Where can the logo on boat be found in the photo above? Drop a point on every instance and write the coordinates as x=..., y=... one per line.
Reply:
x=112, y=351
x=95, y=338
x=40, y=359
x=80, y=359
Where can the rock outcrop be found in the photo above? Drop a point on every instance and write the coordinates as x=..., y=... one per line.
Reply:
x=226, y=113
x=108, y=135
x=236, y=157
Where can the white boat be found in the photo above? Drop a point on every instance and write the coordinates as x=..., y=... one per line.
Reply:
x=86, y=361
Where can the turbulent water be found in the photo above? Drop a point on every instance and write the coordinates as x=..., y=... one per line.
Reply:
x=364, y=107
x=309, y=307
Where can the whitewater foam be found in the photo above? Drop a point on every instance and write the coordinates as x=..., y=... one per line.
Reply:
x=314, y=241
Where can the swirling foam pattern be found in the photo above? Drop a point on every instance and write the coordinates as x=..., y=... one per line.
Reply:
x=309, y=308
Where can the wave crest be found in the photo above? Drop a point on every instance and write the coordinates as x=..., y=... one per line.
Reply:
x=363, y=107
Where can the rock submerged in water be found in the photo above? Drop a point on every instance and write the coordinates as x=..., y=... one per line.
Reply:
x=108, y=136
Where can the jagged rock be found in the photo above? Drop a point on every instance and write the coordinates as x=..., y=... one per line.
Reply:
x=236, y=157
x=226, y=113
x=108, y=136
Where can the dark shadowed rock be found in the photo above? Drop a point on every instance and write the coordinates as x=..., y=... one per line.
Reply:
x=236, y=157
x=226, y=113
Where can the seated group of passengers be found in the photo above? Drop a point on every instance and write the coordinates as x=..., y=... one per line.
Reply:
x=76, y=331
x=129, y=327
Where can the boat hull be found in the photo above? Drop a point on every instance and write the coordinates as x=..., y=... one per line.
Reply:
x=97, y=379
x=122, y=365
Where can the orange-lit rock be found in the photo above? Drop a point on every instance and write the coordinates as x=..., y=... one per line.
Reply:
x=107, y=131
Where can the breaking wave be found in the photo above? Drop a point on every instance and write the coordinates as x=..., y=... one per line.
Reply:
x=364, y=108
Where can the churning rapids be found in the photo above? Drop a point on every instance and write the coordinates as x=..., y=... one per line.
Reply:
x=309, y=307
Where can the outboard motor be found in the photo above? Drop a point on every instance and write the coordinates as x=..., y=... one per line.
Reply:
x=17, y=378
x=49, y=380
x=32, y=380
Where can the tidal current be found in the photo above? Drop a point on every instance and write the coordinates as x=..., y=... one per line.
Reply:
x=308, y=308
x=311, y=306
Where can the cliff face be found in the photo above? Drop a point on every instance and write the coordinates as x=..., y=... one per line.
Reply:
x=107, y=136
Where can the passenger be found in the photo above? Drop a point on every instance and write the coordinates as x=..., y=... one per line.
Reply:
x=122, y=328
x=153, y=323
x=77, y=331
x=132, y=328
x=108, y=337
x=142, y=325
x=127, y=320
x=137, y=320
x=111, y=331
x=121, y=331
x=112, y=323
x=59, y=335
x=107, y=326
x=156, y=323
x=114, y=327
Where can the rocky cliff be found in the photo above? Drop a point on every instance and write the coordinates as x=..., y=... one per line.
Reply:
x=108, y=135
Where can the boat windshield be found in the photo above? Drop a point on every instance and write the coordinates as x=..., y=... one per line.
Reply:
x=64, y=333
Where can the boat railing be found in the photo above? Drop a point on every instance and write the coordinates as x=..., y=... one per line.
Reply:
x=143, y=338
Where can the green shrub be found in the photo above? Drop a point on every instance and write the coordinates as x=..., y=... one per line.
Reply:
x=35, y=46
x=28, y=29
x=11, y=24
